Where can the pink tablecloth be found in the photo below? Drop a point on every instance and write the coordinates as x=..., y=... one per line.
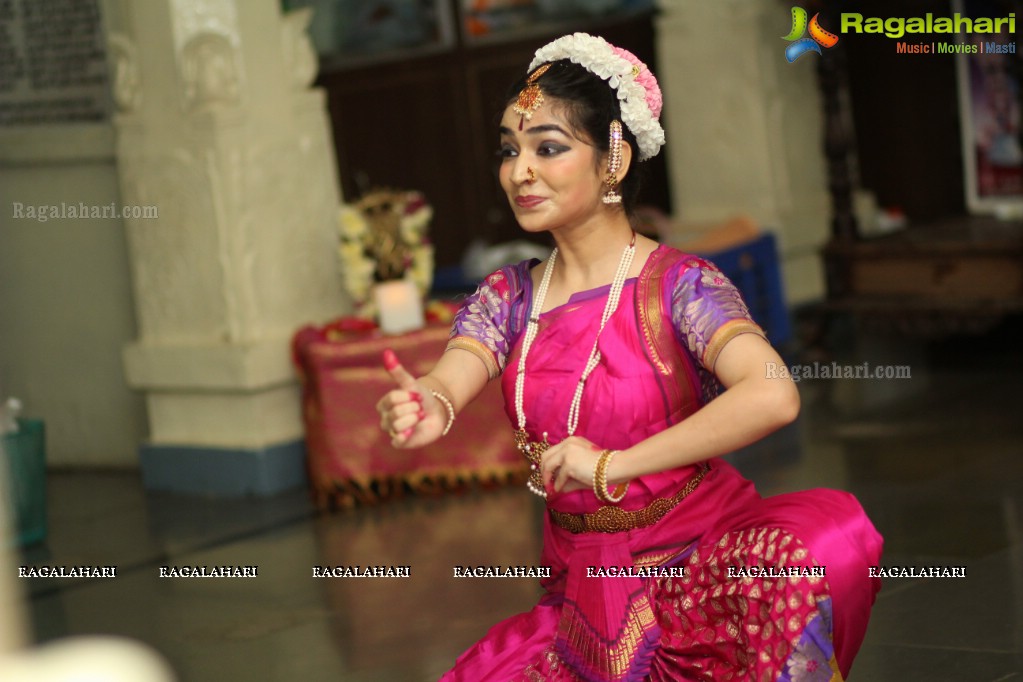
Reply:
x=350, y=460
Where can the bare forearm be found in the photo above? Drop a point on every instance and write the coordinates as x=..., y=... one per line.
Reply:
x=459, y=375
x=743, y=414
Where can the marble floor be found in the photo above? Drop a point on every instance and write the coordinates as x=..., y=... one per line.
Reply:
x=936, y=460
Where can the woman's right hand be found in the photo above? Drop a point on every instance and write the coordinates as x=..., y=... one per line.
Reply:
x=410, y=414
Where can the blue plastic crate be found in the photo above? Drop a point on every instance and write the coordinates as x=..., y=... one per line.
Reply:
x=754, y=269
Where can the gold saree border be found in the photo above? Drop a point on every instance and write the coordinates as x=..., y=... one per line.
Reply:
x=651, y=315
x=612, y=662
x=836, y=674
x=664, y=351
x=725, y=333
x=659, y=558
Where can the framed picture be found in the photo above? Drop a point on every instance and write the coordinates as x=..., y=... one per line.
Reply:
x=990, y=114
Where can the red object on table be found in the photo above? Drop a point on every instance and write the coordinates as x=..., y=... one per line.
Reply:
x=350, y=460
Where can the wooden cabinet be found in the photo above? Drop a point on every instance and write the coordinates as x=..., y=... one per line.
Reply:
x=892, y=126
x=949, y=276
x=428, y=122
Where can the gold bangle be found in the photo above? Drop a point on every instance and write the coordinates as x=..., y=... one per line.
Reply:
x=449, y=407
x=600, y=480
x=600, y=472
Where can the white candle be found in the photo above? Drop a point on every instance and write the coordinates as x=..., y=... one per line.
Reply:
x=399, y=305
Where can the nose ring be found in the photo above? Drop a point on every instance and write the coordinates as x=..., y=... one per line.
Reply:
x=530, y=175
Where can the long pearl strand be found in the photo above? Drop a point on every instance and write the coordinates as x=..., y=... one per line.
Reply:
x=612, y=305
x=532, y=327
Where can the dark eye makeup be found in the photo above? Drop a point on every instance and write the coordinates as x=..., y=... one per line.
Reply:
x=546, y=148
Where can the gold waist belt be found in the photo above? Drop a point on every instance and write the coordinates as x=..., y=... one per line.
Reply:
x=611, y=519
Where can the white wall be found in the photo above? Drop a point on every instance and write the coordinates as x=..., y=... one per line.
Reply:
x=65, y=296
x=744, y=128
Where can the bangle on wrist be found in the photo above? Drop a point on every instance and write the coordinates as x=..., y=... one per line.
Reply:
x=600, y=480
x=598, y=468
x=447, y=406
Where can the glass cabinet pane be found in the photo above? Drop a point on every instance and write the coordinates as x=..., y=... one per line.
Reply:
x=483, y=19
x=361, y=28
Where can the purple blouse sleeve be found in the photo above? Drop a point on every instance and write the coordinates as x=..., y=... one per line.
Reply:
x=488, y=322
x=707, y=311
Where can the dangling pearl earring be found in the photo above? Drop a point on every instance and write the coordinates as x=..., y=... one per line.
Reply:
x=614, y=164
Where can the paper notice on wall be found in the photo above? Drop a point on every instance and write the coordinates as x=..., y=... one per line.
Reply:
x=53, y=66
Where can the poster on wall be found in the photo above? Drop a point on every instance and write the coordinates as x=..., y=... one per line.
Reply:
x=53, y=65
x=990, y=113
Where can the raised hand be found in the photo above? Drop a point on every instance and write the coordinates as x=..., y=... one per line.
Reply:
x=409, y=414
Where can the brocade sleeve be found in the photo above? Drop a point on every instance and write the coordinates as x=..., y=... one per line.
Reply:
x=488, y=323
x=707, y=311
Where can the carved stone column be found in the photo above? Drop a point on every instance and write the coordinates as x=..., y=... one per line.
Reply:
x=218, y=128
x=744, y=127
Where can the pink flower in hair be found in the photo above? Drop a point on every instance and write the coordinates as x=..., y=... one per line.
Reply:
x=646, y=79
x=638, y=93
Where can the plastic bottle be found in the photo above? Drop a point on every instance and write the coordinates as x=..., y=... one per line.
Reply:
x=9, y=412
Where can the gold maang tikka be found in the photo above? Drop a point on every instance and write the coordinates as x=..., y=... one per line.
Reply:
x=530, y=97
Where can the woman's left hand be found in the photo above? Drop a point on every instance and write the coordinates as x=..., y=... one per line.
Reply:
x=568, y=466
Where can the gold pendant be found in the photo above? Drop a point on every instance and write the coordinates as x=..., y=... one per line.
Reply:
x=533, y=452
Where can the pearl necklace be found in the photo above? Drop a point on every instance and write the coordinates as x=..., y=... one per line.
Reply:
x=533, y=450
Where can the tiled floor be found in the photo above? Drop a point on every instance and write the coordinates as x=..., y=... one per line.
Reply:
x=937, y=461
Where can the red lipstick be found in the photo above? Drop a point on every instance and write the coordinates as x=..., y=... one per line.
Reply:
x=529, y=201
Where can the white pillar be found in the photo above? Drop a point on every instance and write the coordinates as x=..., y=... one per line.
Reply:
x=744, y=127
x=218, y=128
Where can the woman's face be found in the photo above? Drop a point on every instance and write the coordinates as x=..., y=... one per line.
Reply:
x=564, y=189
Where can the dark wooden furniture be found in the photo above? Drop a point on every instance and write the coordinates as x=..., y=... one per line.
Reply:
x=948, y=272
x=955, y=275
x=429, y=123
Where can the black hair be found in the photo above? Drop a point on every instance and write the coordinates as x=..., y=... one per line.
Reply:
x=590, y=105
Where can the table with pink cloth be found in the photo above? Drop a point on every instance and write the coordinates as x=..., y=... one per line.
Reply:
x=350, y=460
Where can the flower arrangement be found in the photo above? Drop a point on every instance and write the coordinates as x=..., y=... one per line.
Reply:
x=638, y=93
x=384, y=238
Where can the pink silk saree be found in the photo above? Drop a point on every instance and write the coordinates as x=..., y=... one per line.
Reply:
x=658, y=351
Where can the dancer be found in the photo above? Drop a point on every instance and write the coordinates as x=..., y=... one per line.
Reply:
x=611, y=354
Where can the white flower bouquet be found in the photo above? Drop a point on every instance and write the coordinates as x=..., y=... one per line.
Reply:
x=384, y=237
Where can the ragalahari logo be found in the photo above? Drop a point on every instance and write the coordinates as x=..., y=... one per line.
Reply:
x=818, y=36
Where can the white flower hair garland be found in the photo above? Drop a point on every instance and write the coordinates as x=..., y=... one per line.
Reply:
x=638, y=92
